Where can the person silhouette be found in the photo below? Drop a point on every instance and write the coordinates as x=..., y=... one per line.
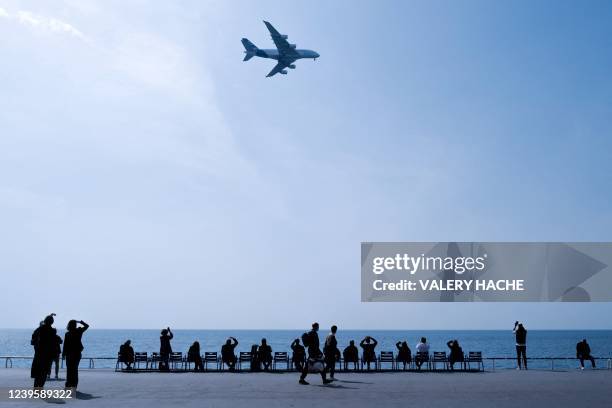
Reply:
x=194, y=356
x=126, y=354
x=165, y=349
x=265, y=354
x=255, y=363
x=521, y=344
x=422, y=353
x=299, y=355
x=45, y=346
x=315, y=361
x=57, y=355
x=583, y=352
x=73, y=347
x=368, y=344
x=404, y=355
x=34, y=344
x=456, y=353
x=329, y=350
x=228, y=356
x=351, y=355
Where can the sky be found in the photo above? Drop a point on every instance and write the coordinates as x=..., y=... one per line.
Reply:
x=149, y=177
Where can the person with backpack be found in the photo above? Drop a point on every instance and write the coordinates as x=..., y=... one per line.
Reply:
x=315, y=361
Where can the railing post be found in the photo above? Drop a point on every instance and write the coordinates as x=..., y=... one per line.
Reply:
x=91, y=363
x=552, y=363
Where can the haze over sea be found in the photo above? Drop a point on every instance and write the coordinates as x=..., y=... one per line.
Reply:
x=493, y=343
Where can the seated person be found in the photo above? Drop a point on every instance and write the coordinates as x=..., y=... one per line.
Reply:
x=351, y=355
x=299, y=355
x=194, y=356
x=583, y=352
x=422, y=353
x=227, y=353
x=126, y=354
x=255, y=363
x=456, y=353
x=265, y=354
x=368, y=344
x=404, y=355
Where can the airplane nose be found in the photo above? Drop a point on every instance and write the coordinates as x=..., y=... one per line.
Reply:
x=317, y=55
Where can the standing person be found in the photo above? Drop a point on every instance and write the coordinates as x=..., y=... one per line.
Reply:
x=456, y=353
x=57, y=355
x=45, y=348
x=368, y=344
x=194, y=356
x=329, y=350
x=73, y=347
x=404, y=355
x=311, y=340
x=299, y=355
x=521, y=344
x=583, y=352
x=165, y=349
x=265, y=354
x=422, y=353
x=34, y=343
x=228, y=356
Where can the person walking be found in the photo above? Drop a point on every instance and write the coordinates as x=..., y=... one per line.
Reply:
x=73, y=347
x=315, y=361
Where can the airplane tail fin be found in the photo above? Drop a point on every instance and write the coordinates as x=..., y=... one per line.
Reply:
x=250, y=49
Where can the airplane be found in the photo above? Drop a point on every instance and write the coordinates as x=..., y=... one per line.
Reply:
x=286, y=54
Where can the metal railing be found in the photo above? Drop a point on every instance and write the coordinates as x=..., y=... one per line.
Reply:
x=551, y=360
x=8, y=361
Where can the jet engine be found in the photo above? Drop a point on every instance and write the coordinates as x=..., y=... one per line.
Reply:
x=292, y=66
x=284, y=37
x=284, y=72
x=293, y=46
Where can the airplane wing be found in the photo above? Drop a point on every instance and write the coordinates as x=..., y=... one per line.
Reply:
x=277, y=68
x=282, y=45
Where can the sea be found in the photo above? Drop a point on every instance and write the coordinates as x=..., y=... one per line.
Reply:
x=492, y=343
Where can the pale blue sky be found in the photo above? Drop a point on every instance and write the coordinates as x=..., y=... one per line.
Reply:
x=149, y=177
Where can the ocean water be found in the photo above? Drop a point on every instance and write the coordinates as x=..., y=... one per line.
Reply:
x=492, y=343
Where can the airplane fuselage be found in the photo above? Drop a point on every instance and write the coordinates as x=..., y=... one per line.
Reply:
x=275, y=55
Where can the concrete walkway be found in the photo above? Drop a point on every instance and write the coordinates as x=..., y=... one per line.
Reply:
x=508, y=388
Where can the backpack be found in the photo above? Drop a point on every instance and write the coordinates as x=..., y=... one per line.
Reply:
x=306, y=339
